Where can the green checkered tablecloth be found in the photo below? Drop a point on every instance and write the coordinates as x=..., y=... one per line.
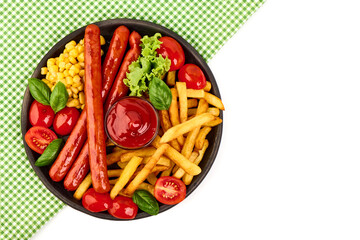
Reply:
x=30, y=28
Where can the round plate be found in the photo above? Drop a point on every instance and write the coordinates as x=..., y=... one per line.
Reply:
x=107, y=28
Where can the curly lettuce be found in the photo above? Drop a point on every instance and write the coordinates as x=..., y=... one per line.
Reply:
x=148, y=66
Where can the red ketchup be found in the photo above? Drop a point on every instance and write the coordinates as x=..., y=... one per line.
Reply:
x=132, y=122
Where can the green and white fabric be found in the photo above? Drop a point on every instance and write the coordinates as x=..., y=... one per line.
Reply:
x=30, y=28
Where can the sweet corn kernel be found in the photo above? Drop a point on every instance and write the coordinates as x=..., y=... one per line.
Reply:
x=75, y=96
x=71, y=72
x=52, y=88
x=83, y=106
x=44, y=70
x=53, y=69
x=75, y=69
x=81, y=87
x=69, y=92
x=73, y=103
x=78, y=66
x=102, y=40
x=82, y=97
x=81, y=42
x=69, y=80
x=61, y=57
x=57, y=61
x=62, y=64
x=76, y=84
x=77, y=78
x=50, y=85
x=81, y=72
x=82, y=64
x=66, y=55
x=66, y=73
x=51, y=61
x=68, y=66
x=80, y=48
x=60, y=76
x=75, y=90
x=45, y=81
x=70, y=46
x=74, y=52
x=81, y=57
x=72, y=60
x=51, y=78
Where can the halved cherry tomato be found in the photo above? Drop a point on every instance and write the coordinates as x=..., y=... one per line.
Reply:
x=123, y=208
x=172, y=49
x=65, y=120
x=169, y=190
x=96, y=202
x=38, y=138
x=41, y=115
x=192, y=76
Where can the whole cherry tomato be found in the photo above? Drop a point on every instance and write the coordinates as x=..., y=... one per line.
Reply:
x=65, y=120
x=192, y=76
x=123, y=208
x=169, y=190
x=96, y=202
x=172, y=49
x=41, y=115
x=38, y=138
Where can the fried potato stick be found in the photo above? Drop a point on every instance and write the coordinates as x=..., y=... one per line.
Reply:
x=174, y=113
x=125, y=175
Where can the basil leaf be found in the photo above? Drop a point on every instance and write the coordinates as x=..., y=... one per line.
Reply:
x=146, y=202
x=39, y=90
x=160, y=94
x=59, y=97
x=50, y=153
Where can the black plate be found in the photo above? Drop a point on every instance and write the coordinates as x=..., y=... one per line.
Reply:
x=107, y=28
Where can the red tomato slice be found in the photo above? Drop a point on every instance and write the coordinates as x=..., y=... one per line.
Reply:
x=38, y=138
x=96, y=202
x=169, y=190
x=172, y=49
x=65, y=120
x=41, y=115
x=192, y=76
x=123, y=208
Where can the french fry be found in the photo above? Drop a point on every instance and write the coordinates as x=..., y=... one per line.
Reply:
x=213, y=123
x=122, y=165
x=125, y=176
x=190, y=139
x=180, y=172
x=179, y=159
x=200, y=139
x=159, y=168
x=114, y=172
x=148, y=187
x=185, y=127
x=191, y=103
x=116, y=149
x=151, y=178
x=114, y=156
x=182, y=93
x=166, y=124
x=214, y=100
x=214, y=111
x=207, y=88
x=187, y=178
x=193, y=93
x=143, y=152
x=83, y=187
x=174, y=113
x=113, y=182
x=168, y=171
x=163, y=161
x=146, y=170
x=170, y=79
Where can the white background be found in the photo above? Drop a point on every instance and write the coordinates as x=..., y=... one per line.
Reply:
x=288, y=166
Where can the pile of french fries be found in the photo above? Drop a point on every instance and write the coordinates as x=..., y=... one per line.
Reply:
x=176, y=151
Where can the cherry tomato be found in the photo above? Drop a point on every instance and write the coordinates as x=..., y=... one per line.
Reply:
x=169, y=190
x=65, y=120
x=123, y=208
x=96, y=202
x=41, y=115
x=192, y=76
x=38, y=138
x=172, y=49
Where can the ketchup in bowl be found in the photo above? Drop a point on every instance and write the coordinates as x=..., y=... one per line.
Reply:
x=132, y=122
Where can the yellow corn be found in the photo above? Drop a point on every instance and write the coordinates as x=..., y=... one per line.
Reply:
x=102, y=40
x=81, y=87
x=76, y=78
x=74, y=90
x=81, y=57
x=82, y=106
x=51, y=61
x=72, y=103
x=60, y=75
x=72, y=60
x=44, y=70
x=69, y=92
x=53, y=69
x=75, y=96
x=81, y=72
x=82, y=97
x=69, y=80
x=74, y=52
